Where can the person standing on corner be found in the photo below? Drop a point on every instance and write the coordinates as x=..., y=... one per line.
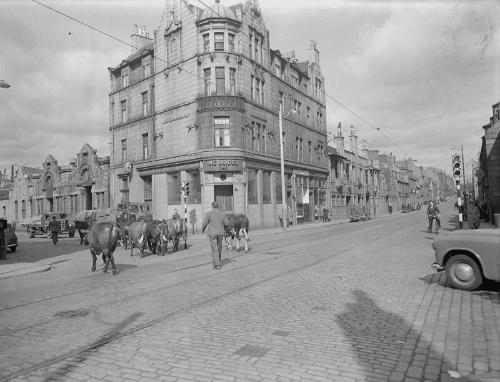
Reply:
x=213, y=222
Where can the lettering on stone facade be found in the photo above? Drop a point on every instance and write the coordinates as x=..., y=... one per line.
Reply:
x=176, y=118
x=222, y=165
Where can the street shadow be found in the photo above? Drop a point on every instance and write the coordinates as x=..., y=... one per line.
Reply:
x=386, y=345
x=71, y=363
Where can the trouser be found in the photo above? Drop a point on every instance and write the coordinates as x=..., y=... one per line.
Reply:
x=216, y=248
x=431, y=218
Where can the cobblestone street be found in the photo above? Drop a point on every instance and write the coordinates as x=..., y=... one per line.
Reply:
x=343, y=302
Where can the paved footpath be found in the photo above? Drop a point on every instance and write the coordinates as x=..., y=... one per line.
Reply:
x=353, y=302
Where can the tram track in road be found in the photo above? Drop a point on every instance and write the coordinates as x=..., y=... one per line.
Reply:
x=277, y=251
x=297, y=245
x=269, y=245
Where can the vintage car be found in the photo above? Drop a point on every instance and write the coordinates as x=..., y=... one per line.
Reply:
x=10, y=238
x=468, y=257
x=41, y=226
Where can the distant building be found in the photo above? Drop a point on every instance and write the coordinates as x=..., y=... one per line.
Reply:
x=82, y=184
x=489, y=165
x=199, y=103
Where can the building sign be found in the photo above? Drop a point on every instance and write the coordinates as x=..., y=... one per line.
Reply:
x=222, y=165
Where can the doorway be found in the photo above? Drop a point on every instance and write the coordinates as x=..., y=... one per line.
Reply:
x=88, y=198
x=223, y=195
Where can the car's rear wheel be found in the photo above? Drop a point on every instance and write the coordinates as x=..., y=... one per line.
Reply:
x=13, y=249
x=463, y=273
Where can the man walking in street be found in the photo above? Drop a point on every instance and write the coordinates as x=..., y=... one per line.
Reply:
x=54, y=228
x=213, y=222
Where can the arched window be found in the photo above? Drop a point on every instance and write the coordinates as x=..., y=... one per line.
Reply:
x=4, y=211
x=23, y=209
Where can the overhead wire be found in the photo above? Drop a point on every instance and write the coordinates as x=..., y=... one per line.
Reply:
x=357, y=115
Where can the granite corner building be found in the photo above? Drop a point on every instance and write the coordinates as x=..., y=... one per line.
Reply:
x=198, y=101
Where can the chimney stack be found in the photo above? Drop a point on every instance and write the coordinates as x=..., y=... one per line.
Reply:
x=313, y=53
x=139, y=38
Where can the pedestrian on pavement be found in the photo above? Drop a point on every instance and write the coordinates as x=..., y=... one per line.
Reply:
x=54, y=228
x=176, y=214
x=433, y=213
x=473, y=215
x=390, y=208
x=325, y=215
x=213, y=222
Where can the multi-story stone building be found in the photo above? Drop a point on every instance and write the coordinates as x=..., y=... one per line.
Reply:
x=199, y=102
x=83, y=184
x=489, y=165
x=354, y=184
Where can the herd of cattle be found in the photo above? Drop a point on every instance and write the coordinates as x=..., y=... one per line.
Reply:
x=103, y=237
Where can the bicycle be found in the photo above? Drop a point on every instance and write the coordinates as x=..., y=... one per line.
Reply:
x=433, y=218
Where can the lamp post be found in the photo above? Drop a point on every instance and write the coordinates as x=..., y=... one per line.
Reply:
x=282, y=163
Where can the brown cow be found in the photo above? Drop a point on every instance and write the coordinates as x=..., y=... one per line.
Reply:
x=157, y=236
x=176, y=228
x=138, y=235
x=103, y=238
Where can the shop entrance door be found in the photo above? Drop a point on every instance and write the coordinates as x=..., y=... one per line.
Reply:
x=224, y=197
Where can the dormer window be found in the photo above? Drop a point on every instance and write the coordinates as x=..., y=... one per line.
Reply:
x=219, y=41
x=125, y=80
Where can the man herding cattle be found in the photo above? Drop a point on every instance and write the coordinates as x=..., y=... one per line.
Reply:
x=213, y=222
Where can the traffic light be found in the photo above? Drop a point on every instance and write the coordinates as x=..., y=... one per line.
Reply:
x=457, y=166
x=186, y=187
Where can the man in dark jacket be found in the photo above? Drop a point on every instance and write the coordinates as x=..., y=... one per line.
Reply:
x=433, y=213
x=54, y=229
x=213, y=222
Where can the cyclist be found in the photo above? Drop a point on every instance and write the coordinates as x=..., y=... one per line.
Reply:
x=433, y=213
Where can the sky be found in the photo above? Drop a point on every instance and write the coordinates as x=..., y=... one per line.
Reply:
x=414, y=78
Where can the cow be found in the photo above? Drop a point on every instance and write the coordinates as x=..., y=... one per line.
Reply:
x=102, y=239
x=138, y=235
x=176, y=228
x=157, y=236
x=236, y=225
x=125, y=234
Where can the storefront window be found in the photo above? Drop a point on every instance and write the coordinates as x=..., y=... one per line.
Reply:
x=277, y=177
x=253, y=193
x=174, y=188
x=194, y=196
x=266, y=187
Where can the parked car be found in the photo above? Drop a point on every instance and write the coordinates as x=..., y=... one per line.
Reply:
x=41, y=226
x=468, y=257
x=10, y=238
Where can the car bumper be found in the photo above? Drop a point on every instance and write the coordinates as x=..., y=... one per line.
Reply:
x=438, y=267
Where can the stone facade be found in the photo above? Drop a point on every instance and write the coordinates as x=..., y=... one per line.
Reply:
x=489, y=165
x=82, y=184
x=206, y=111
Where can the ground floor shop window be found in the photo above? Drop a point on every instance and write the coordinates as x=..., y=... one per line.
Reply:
x=148, y=188
x=266, y=187
x=277, y=182
x=253, y=187
x=174, y=188
x=193, y=178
